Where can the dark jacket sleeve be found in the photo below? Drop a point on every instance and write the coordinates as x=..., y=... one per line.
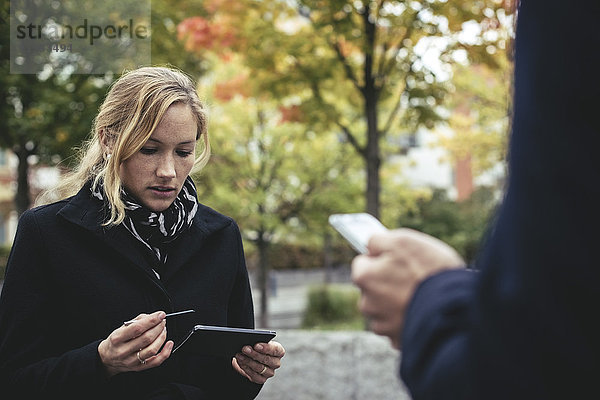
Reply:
x=26, y=325
x=528, y=329
x=437, y=327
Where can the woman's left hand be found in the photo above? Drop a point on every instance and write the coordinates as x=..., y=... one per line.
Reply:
x=259, y=363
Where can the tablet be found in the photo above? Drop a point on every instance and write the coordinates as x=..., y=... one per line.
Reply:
x=209, y=340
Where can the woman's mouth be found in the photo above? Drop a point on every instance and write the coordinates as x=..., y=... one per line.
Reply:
x=162, y=191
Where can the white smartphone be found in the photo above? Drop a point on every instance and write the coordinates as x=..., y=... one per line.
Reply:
x=357, y=228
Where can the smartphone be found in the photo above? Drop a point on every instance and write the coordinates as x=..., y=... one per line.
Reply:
x=357, y=228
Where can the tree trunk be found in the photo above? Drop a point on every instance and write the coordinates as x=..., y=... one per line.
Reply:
x=371, y=96
x=22, y=200
x=327, y=258
x=263, y=267
x=373, y=161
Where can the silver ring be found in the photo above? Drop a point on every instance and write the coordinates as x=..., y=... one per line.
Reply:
x=263, y=370
x=138, y=357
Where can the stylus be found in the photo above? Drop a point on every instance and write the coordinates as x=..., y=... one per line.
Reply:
x=127, y=323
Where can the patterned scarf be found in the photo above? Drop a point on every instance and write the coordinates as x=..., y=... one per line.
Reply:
x=156, y=229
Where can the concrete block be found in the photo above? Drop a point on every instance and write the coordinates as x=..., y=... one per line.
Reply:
x=333, y=365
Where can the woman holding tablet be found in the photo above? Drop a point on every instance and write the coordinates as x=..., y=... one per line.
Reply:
x=131, y=243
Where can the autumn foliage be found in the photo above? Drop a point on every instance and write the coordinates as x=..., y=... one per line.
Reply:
x=198, y=33
x=238, y=85
x=290, y=114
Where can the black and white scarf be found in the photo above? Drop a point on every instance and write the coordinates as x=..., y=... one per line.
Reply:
x=156, y=229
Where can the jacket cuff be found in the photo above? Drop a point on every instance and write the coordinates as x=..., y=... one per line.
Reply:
x=435, y=338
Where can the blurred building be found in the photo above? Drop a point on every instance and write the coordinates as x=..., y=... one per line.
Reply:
x=8, y=215
x=423, y=164
x=40, y=178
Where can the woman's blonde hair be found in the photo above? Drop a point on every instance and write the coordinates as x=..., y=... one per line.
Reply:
x=130, y=113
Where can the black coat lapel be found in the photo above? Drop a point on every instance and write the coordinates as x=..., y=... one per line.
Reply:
x=122, y=241
x=206, y=222
x=180, y=251
x=85, y=211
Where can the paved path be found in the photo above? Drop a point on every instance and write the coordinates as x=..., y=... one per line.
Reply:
x=335, y=365
x=286, y=308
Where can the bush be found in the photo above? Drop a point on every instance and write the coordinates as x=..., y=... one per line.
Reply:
x=333, y=307
x=463, y=225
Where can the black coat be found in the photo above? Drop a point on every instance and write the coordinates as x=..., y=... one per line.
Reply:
x=70, y=282
x=525, y=326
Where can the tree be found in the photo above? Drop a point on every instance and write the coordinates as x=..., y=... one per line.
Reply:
x=47, y=114
x=42, y=115
x=355, y=67
x=48, y=118
x=166, y=49
x=277, y=178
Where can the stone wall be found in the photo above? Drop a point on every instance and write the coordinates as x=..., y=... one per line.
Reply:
x=335, y=366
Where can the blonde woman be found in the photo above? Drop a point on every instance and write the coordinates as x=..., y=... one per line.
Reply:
x=129, y=241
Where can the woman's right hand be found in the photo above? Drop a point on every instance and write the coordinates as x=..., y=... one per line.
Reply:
x=135, y=347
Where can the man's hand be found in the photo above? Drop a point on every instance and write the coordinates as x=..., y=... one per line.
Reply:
x=397, y=262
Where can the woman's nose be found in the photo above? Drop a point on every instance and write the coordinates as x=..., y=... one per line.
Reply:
x=166, y=167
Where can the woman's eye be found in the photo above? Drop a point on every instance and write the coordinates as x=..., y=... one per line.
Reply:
x=183, y=153
x=146, y=150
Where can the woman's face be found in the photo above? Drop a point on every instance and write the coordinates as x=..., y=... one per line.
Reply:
x=156, y=173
